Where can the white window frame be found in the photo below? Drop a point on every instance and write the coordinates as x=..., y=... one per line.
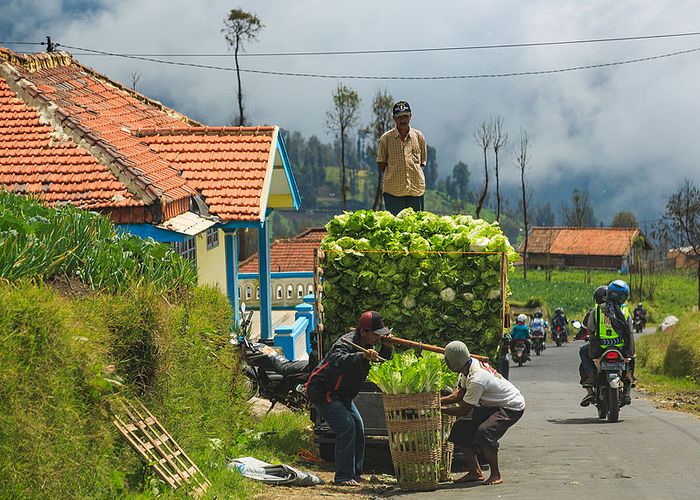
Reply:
x=300, y=291
x=290, y=292
x=280, y=292
x=248, y=292
x=186, y=249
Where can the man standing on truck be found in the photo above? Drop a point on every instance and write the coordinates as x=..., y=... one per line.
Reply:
x=401, y=156
x=488, y=406
x=335, y=383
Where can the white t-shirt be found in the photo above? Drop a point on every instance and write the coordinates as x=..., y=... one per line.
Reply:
x=488, y=388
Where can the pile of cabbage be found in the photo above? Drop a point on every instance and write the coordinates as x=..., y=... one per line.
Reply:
x=391, y=264
x=406, y=373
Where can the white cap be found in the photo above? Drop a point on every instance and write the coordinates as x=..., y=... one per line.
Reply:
x=456, y=355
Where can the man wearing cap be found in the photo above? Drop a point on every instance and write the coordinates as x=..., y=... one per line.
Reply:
x=488, y=406
x=401, y=156
x=334, y=384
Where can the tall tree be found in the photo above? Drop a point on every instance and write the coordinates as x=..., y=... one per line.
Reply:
x=682, y=218
x=460, y=174
x=382, y=120
x=522, y=159
x=431, y=169
x=340, y=119
x=544, y=216
x=240, y=26
x=483, y=135
x=580, y=213
x=625, y=219
x=500, y=139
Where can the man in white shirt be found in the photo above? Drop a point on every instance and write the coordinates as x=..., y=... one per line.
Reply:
x=488, y=406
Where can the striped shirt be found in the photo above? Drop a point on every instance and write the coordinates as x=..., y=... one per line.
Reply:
x=405, y=160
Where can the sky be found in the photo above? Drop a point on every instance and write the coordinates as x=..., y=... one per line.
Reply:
x=626, y=133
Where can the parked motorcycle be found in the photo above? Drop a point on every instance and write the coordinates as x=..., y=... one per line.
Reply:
x=268, y=374
x=559, y=334
x=537, y=341
x=610, y=381
x=519, y=354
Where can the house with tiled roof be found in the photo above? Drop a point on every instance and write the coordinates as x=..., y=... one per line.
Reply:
x=292, y=270
x=70, y=135
x=585, y=248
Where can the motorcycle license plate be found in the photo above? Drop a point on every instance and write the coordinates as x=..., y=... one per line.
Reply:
x=616, y=366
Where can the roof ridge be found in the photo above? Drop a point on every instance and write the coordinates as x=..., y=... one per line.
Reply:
x=105, y=153
x=38, y=61
x=204, y=130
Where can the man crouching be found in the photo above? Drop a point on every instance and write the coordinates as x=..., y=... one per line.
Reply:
x=488, y=406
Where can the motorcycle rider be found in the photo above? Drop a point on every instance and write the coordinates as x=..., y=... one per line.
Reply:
x=587, y=368
x=539, y=325
x=612, y=327
x=641, y=313
x=521, y=331
x=560, y=320
x=334, y=384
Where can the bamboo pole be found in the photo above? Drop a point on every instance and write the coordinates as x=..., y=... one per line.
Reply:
x=360, y=348
x=425, y=347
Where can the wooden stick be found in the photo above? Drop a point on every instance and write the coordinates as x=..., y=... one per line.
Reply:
x=425, y=347
x=360, y=348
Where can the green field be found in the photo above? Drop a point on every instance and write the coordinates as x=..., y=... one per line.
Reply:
x=675, y=291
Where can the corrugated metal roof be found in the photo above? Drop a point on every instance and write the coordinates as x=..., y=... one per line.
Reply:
x=188, y=223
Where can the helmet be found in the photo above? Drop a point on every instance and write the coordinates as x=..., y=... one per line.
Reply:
x=559, y=310
x=538, y=314
x=639, y=305
x=618, y=291
x=599, y=294
x=522, y=318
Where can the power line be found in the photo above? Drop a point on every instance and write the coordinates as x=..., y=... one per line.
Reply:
x=361, y=77
x=414, y=50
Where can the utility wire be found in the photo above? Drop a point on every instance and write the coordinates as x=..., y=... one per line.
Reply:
x=360, y=77
x=427, y=49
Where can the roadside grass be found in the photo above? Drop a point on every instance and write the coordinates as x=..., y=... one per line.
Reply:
x=62, y=356
x=669, y=365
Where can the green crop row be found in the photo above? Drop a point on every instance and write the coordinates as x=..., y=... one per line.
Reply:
x=38, y=241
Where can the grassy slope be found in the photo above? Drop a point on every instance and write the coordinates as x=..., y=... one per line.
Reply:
x=56, y=439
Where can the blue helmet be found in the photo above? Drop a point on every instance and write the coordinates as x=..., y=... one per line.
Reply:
x=618, y=291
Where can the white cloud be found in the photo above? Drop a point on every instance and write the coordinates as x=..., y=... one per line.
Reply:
x=636, y=122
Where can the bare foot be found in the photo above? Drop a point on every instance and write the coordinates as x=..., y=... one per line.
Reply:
x=494, y=480
x=469, y=478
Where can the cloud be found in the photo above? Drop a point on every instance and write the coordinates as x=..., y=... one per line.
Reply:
x=630, y=127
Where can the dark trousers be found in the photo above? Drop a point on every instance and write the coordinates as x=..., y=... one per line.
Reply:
x=395, y=204
x=587, y=367
x=349, y=430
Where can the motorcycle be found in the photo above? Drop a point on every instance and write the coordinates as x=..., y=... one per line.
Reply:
x=638, y=324
x=268, y=374
x=537, y=341
x=559, y=335
x=518, y=355
x=610, y=380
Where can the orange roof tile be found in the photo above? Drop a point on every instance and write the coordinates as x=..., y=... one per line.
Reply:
x=580, y=240
x=289, y=255
x=75, y=136
x=227, y=165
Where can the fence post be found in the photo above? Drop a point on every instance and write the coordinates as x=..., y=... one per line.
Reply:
x=306, y=311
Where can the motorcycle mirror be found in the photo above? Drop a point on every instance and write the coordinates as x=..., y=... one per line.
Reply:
x=242, y=307
x=576, y=323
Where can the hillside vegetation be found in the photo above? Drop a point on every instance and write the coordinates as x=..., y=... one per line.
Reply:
x=86, y=314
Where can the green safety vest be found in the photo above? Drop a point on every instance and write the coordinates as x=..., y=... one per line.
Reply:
x=606, y=333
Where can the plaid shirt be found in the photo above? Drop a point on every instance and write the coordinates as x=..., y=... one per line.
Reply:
x=405, y=160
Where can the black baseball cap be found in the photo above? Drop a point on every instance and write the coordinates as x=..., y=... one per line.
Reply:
x=372, y=320
x=402, y=108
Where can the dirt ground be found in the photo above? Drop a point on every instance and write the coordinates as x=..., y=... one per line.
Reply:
x=372, y=487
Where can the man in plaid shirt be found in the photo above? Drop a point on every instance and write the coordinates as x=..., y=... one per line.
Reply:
x=401, y=156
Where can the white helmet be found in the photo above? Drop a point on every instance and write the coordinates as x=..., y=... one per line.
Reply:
x=522, y=318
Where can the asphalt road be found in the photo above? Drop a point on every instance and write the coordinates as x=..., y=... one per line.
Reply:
x=559, y=450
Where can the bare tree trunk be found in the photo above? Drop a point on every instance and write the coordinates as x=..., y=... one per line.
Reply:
x=241, y=119
x=483, y=135
x=499, y=140
x=521, y=161
x=498, y=192
x=486, y=186
x=343, y=187
x=522, y=185
x=377, y=205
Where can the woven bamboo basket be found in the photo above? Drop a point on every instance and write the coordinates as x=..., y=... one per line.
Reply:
x=414, y=426
x=448, y=448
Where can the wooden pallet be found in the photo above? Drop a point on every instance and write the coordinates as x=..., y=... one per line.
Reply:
x=150, y=439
